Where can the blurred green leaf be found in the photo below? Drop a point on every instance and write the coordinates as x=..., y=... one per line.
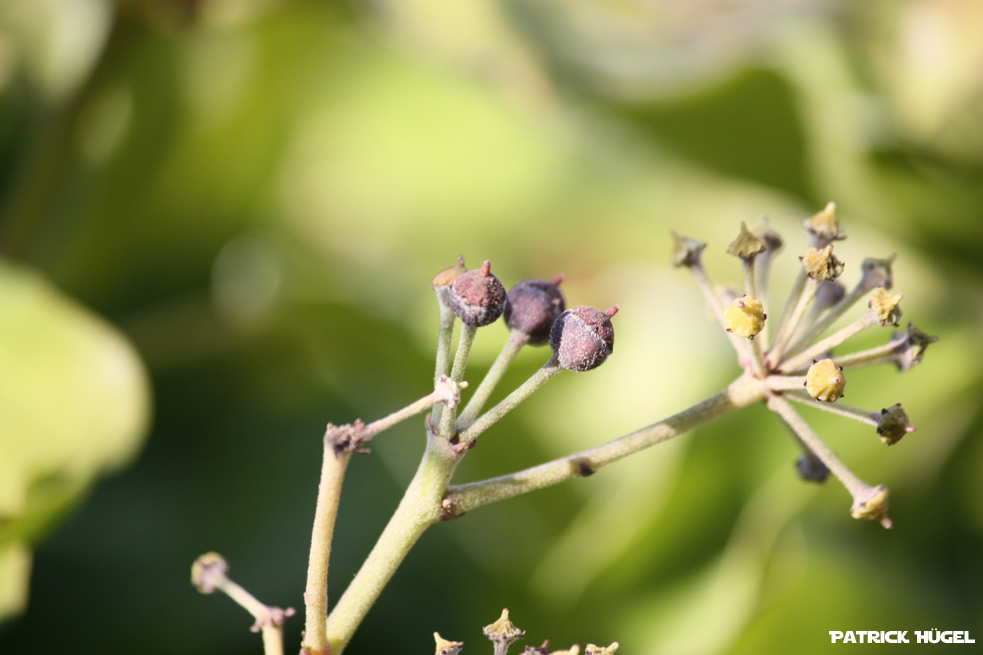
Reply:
x=74, y=402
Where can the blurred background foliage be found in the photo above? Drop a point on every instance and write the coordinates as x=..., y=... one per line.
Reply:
x=252, y=197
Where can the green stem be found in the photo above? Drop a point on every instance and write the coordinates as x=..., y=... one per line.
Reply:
x=862, y=415
x=469, y=433
x=333, y=469
x=744, y=391
x=806, y=356
x=272, y=631
x=790, y=320
x=750, y=288
x=511, y=348
x=419, y=509
x=879, y=354
x=411, y=410
x=835, y=312
x=716, y=305
x=466, y=340
x=443, y=353
x=857, y=487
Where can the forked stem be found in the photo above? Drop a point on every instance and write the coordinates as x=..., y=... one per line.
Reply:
x=744, y=391
x=511, y=348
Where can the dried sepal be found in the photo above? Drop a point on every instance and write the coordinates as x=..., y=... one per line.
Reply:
x=347, y=438
x=872, y=507
x=885, y=306
x=773, y=240
x=823, y=227
x=208, y=572
x=828, y=293
x=447, y=391
x=876, y=273
x=686, y=252
x=445, y=647
x=821, y=263
x=573, y=650
x=746, y=245
x=910, y=351
x=745, y=317
x=825, y=381
x=601, y=650
x=447, y=276
x=893, y=424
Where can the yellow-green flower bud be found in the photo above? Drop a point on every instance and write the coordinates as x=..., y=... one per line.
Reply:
x=873, y=508
x=824, y=227
x=822, y=264
x=825, y=381
x=685, y=251
x=445, y=647
x=745, y=317
x=746, y=245
x=885, y=306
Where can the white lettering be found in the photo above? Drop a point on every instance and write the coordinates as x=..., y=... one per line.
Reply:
x=922, y=636
x=835, y=634
x=875, y=637
x=849, y=638
x=901, y=637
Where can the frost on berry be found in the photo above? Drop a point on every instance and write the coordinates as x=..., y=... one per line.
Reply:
x=582, y=337
x=477, y=297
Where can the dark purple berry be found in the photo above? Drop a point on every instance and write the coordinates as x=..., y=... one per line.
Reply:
x=531, y=308
x=477, y=297
x=582, y=337
x=811, y=468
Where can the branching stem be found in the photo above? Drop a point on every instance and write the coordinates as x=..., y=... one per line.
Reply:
x=511, y=348
x=744, y=391
x=419, y=509
x=536, y=380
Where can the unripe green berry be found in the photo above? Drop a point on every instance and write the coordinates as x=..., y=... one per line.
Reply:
x=893, y=424
x=477, y=297
x=531, y=308
x=582, y=337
